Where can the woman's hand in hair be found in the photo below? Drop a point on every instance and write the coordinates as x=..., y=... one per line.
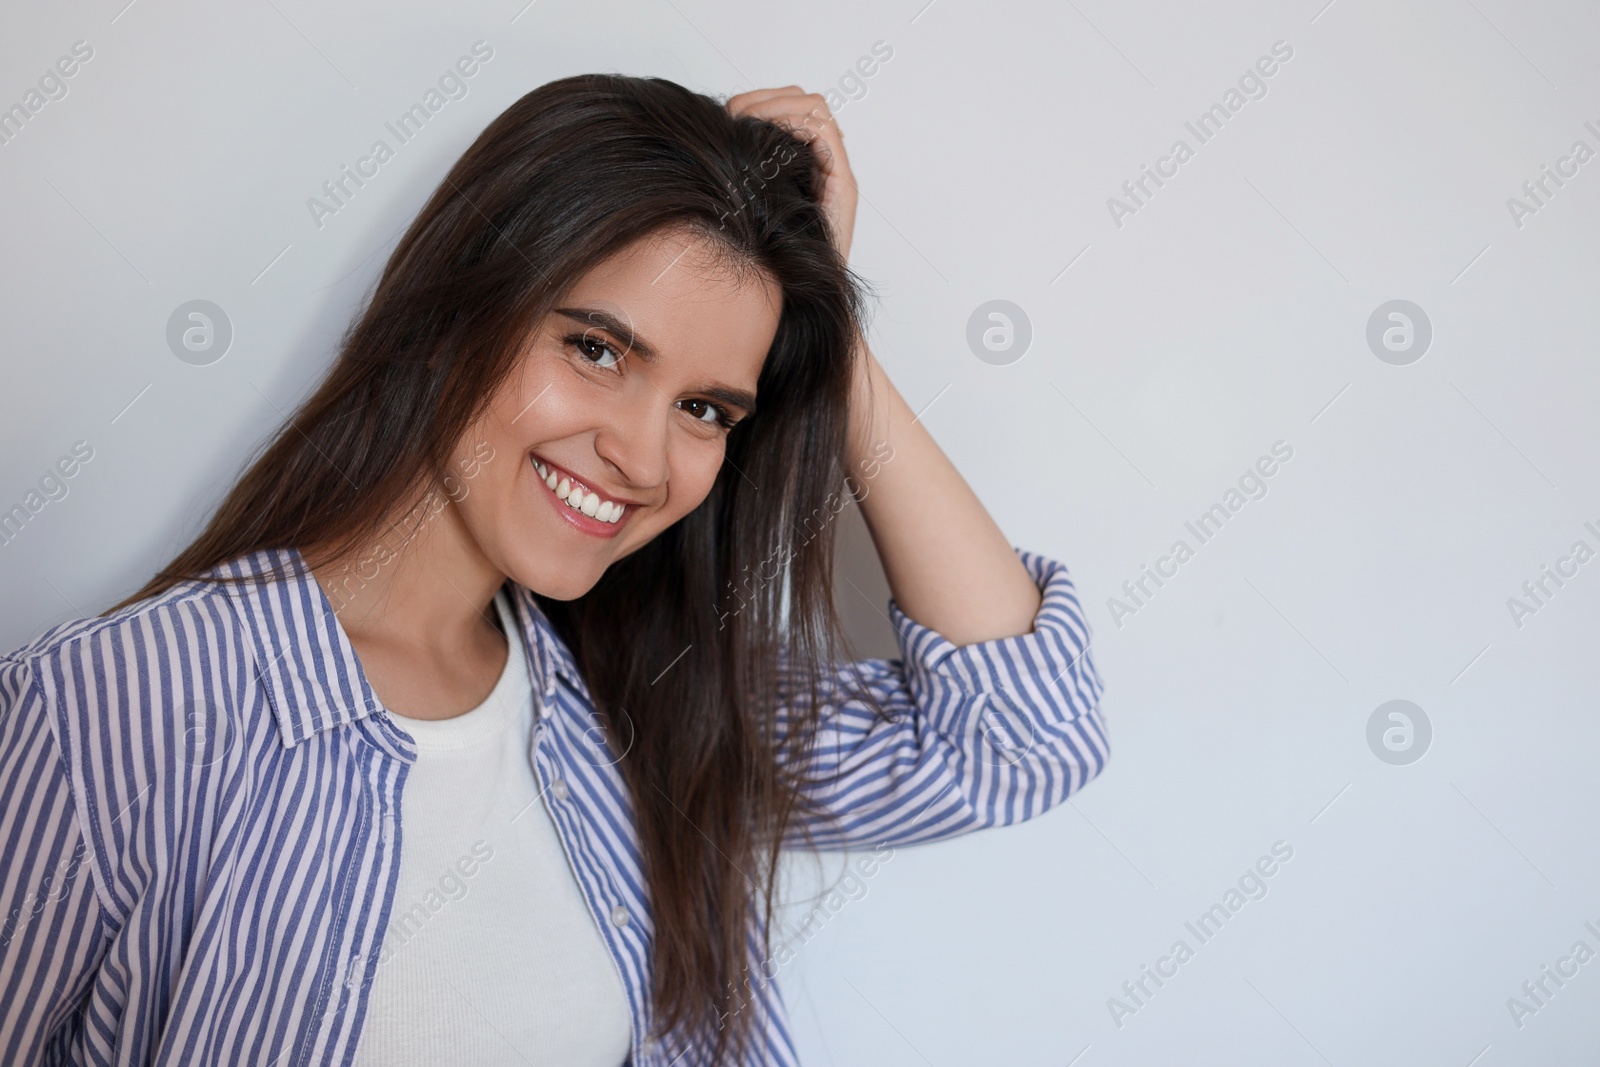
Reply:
x=807, y=115
x=950, y=567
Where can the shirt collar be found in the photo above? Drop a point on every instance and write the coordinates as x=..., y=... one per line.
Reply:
x=306, y=662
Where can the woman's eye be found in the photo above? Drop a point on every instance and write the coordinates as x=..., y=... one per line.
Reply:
x=704, y=411
x=608, y=356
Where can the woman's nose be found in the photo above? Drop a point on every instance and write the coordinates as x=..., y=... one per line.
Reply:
x=633, y=438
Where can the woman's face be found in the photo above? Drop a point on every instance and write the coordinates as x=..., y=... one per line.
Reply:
x=623, y=398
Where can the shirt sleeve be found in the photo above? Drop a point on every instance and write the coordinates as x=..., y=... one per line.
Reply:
x=52, y=935
x=977, y=735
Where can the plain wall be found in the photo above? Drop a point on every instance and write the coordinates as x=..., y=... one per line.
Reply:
x=1172, y=345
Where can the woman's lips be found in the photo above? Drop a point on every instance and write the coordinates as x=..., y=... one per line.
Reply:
x=580, y=505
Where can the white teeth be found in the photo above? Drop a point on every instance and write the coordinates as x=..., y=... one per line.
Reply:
x=577, y=498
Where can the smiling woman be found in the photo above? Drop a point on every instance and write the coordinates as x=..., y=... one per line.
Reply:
x=654, y=375
x=624, y=399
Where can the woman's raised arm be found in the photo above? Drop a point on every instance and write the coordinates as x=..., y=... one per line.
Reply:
x=949, y=565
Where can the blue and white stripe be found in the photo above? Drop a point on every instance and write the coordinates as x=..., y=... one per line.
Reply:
x=199, y=811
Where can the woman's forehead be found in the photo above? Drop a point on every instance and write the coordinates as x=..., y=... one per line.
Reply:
x=673, y=299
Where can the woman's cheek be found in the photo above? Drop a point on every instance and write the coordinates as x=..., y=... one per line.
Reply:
x=549, y=408
x=701, y=475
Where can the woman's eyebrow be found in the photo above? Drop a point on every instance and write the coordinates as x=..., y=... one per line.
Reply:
x=736, y=397
x=611, y=324
x=605, y=320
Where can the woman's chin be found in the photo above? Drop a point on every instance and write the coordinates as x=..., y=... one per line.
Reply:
x=558, y=583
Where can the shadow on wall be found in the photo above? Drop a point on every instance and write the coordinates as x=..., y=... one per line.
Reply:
x=860, y=589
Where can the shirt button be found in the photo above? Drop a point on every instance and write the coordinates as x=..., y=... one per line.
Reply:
x=356, y=972
x=619, y=915
x=648, y=1046
x=559, y=788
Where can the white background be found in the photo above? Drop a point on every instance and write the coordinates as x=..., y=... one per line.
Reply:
x=1227, y=314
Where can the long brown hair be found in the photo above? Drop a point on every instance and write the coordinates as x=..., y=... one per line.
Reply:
x=569, y=174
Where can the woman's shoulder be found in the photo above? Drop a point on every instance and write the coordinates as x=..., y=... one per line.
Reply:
x=157, y=641
x=155, y=621
x=136, y=715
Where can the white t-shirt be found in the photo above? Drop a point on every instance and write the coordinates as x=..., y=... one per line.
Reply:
x=491, y=955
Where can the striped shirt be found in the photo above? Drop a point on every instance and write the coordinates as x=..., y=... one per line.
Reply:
x=200, y=798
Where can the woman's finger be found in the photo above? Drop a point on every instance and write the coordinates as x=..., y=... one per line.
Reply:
x=808, y=117
x=807, y=114
x=737, y=103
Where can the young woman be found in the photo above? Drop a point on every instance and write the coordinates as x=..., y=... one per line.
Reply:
x=473, y=725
